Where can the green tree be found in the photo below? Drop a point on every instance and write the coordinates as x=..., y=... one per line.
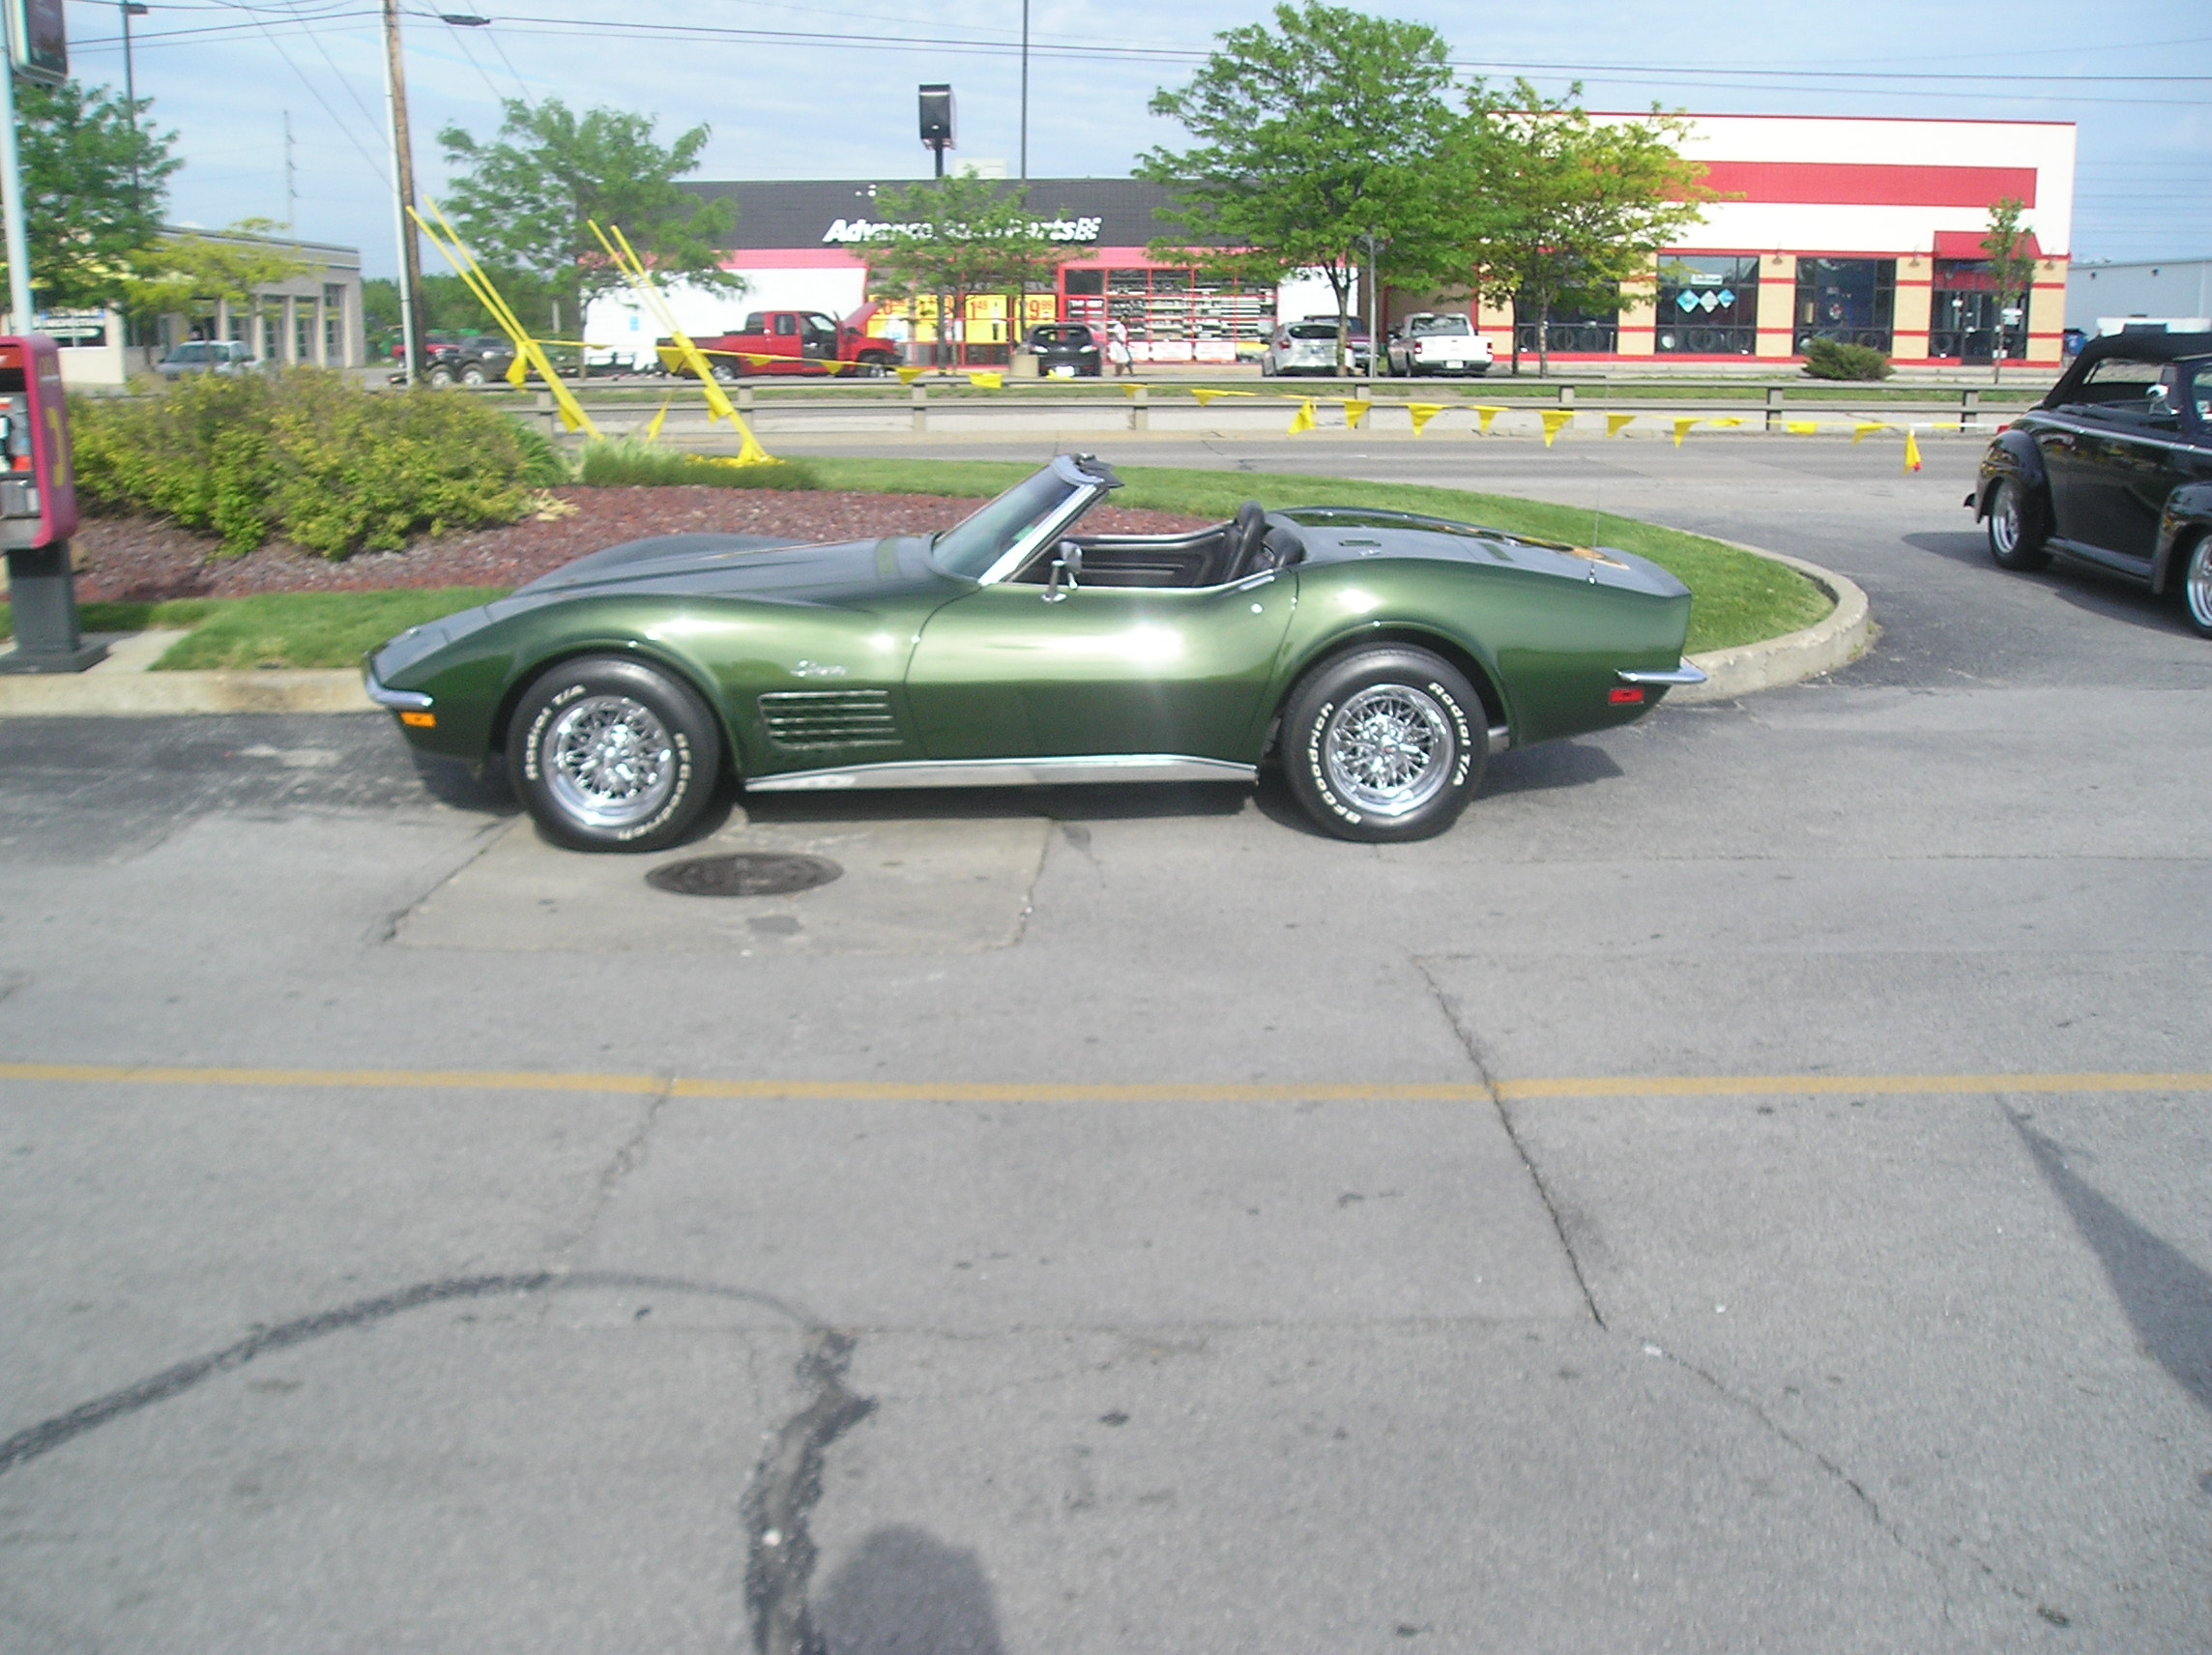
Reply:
x=194, y=274
x=1560, y=209
x=961, y=236
x=1321, y=138
x=2011, y=271
x=93, y=189
x=526, y=200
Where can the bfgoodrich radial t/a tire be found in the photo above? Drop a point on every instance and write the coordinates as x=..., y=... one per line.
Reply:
x=612, y=755
x=1385, y=743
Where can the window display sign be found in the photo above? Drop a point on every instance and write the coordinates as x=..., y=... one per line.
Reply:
x=38, y=40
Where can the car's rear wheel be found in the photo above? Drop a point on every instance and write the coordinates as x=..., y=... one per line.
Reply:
x=724, y=373
x=2016, y=527
x=2197, y=586
x=1383, y=744
x=612, y=755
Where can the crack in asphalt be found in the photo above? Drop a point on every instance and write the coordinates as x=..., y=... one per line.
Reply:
x=780, y=1554
x=1474, y=1050
x=48, y=1435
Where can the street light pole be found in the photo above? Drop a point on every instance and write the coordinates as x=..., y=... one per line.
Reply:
x=19, y=242
x=131, y=9
x=1024, y=91
x=402, y=190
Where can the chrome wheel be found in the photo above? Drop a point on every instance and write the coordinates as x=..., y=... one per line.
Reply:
x=2004, y=521
x=1388, y=749
x=2196, y=585
x=609, y=761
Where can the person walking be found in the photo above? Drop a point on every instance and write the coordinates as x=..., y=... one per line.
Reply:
x=1118, y=347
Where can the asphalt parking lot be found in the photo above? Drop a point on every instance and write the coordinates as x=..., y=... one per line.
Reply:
x=1744, y=1188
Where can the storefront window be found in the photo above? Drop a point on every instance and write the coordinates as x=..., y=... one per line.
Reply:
x=1967, y=314
x=1173, y=314
x=1707, y=307
x=1851, y=301
x=1573, y=331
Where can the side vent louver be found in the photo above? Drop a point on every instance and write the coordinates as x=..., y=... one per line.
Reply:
x=830, y=717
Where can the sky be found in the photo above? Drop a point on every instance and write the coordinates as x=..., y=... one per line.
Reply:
x=827, y=91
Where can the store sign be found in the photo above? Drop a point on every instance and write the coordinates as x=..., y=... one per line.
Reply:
x=847, y=231
x=38, y=40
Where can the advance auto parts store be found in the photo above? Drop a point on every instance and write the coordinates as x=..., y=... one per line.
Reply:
x=1866, y=230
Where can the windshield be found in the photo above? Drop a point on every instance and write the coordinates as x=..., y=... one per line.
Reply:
x=971, y=548
x=1423, y=326
x=1313, y=329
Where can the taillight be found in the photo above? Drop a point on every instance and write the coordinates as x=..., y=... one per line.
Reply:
x=1627, y=695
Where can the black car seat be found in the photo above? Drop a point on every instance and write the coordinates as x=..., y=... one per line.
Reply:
x=1245, y=542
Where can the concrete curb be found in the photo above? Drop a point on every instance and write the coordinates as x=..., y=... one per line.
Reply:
x=1773, y=662
x=130, y=692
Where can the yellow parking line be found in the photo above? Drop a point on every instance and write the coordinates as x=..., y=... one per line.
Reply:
x=1157, y=1092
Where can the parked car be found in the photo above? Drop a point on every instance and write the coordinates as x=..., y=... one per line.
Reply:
x=1310, y=347
x=1438, y=342
x=207, y=355
x=1380, y=656
x=2114, y=468
x=1064, y=350
x=471, y=360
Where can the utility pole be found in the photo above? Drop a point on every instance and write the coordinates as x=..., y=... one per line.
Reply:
x=19, y=242
x=1024, y=91
x=291, y=179
x=130, y=9
x=402, y=192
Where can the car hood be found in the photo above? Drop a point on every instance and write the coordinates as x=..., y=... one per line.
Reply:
x=741, y=566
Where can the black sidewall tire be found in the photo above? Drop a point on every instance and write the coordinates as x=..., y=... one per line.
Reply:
x=2026, y=554
x=698, y=746
x=1324, y=689
x=2193, y=562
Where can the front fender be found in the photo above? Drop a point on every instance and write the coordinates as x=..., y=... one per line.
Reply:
x=2015, y=455
x=2187, y=514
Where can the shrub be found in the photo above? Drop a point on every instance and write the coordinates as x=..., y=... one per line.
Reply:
x=1832, y=359
x=642, y=465
x=306, y=456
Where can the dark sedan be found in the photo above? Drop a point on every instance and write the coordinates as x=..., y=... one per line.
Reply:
x=1064, y=350
x=2114, y=468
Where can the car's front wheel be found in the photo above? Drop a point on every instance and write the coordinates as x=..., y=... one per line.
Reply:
x=612, y=755
x=2016, y=527
x=1383, y=744
x=440, y=376
x=2197, y=586
x=473, y=376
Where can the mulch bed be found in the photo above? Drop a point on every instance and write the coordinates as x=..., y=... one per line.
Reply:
x=135, y=560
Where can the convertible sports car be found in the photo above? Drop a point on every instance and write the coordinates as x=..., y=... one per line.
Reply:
x=2114, y=468
x=1381, y=656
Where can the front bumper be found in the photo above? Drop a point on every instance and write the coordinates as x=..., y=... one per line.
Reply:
x=398, y=700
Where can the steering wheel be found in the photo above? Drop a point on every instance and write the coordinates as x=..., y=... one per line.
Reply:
x=1247, y=535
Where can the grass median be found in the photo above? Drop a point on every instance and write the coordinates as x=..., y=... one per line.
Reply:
x=1739, y=598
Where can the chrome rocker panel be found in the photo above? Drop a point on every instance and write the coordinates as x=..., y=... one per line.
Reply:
x=1010, y=772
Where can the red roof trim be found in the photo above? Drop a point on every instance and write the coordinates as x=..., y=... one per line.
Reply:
x=1854, y=184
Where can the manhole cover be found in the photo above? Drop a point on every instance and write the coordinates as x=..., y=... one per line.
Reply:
x=747, y=873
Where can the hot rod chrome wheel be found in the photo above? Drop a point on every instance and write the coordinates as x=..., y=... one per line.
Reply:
x=612, y=755
x=1386, y=743
x=609, y=761
x=2196, y=585
x=1387, y=749
x=2016, y=527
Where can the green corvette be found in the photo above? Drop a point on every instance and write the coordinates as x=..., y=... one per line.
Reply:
x=1380, y=656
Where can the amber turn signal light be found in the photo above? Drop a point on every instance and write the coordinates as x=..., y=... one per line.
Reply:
x=430, y=720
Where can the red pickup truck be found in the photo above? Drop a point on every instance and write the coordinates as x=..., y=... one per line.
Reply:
x=791, y=342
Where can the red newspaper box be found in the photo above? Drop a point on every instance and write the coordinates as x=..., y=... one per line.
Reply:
x=38, y=509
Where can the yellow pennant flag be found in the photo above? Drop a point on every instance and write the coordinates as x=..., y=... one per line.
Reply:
x=907, y=375
x=1912, y=452
x=1800, y=427
x=1130, y=388
x=1556, y=421
x=1302, y=420
x=1354, y=410
x=988, y=380
x=1864, y=429
x=1422, y=413
x=1615, y=423
x=1682, y=428
x=1719, y=424
x=1485, y=415
x=653, y=427
x=1204, y=397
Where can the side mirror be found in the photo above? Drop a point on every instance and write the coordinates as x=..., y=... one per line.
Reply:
x=1066, y=565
